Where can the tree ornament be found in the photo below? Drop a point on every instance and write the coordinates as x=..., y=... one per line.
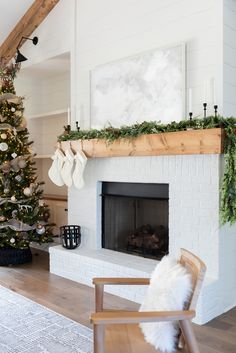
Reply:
x=12, y=240
x=32, y=186
x=40, y=229
x=14, y=165
x=5, y=167
x=13, y=198
x=18, y=178
x=18, y=113
x=14, y=155
x=2, y=218
x=14, y=213
x=13, y=109
x=27, y=191
x=46, y=215
x=3, y=146
x=41, y=203
x=6, y=191
x=22, y=163
x=3, y=136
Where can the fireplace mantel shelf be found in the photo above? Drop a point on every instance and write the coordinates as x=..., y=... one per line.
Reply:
x=209, y=141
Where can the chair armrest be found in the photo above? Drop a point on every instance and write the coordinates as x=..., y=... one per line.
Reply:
x=133, y=317
x=121, y=281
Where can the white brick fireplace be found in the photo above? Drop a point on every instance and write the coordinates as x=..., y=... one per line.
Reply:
x=193, y=224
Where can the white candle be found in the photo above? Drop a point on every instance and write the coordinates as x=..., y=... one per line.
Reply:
x=205, y=92
x=190, y=108
x=68, y=117
x=214, y=91
x=79, y=115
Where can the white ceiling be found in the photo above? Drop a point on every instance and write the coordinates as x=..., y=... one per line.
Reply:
x=11, y=12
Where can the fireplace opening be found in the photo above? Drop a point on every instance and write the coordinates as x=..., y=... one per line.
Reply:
x=135, y=218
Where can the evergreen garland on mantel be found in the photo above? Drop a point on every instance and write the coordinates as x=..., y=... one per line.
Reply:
x=228, y=186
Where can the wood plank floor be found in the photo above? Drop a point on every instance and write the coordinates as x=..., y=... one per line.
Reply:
x=76, y=301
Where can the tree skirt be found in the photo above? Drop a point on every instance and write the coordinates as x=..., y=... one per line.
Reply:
x=11, y=256
x=28, y=327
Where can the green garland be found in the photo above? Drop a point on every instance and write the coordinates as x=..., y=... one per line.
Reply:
x=228, y=187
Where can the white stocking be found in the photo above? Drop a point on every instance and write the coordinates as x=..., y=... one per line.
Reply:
x=66, y=172
x=54, y=172
x=80, y=163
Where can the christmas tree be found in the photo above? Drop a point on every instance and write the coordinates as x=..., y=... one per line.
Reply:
x=23, y=215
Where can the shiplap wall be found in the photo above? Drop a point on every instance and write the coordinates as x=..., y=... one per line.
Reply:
x=112, y=30
x=229, y=58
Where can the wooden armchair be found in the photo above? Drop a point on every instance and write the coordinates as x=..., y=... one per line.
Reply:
x=102, y=318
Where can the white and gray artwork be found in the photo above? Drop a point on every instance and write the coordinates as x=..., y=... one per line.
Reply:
x=147, y=87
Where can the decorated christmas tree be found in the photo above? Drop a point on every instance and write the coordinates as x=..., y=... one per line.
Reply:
x=23, y=215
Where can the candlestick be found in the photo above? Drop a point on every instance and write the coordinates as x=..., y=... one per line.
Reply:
x=215, y=109
x=205, y=109
x=77, y=125
x=190, y=100
x=68, y=116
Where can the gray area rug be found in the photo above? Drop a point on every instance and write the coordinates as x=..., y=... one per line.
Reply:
x=28, y=327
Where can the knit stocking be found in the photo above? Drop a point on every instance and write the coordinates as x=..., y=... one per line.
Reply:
x=80, y=163
x=54, y=172
x=66, y=172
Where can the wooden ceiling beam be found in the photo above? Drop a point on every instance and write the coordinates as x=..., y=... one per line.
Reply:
x=36, y=13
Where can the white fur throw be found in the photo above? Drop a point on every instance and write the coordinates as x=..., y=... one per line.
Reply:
x=169, y=289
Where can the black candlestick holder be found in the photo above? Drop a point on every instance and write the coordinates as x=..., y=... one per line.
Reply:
x=77, y=126
x=215, y=109
x=190, y=116
x=204, y=109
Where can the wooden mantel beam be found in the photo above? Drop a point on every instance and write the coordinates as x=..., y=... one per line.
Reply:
x=26, y=26
x=207, y=141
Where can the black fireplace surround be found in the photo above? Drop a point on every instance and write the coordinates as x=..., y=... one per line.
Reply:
x=135, y=218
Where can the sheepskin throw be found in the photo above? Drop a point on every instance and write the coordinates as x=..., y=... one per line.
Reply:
x=169, y=289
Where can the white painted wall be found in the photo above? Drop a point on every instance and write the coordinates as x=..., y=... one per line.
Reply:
x=108, y=30
x=229, y=67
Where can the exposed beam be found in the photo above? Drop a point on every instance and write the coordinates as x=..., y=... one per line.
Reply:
x=26, y=26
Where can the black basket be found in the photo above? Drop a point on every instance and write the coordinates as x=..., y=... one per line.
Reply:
x=70, y=236
x=12, y=256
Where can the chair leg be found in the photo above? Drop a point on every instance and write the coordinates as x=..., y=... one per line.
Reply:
x=98, y=339
x=189, y=336
x=99, y=290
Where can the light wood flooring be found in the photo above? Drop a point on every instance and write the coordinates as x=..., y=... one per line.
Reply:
x=76, y=301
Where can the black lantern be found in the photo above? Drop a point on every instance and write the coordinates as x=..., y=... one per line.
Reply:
x=70, y=236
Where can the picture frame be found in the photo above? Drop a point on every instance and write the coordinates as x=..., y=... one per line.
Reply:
x=146, y=87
